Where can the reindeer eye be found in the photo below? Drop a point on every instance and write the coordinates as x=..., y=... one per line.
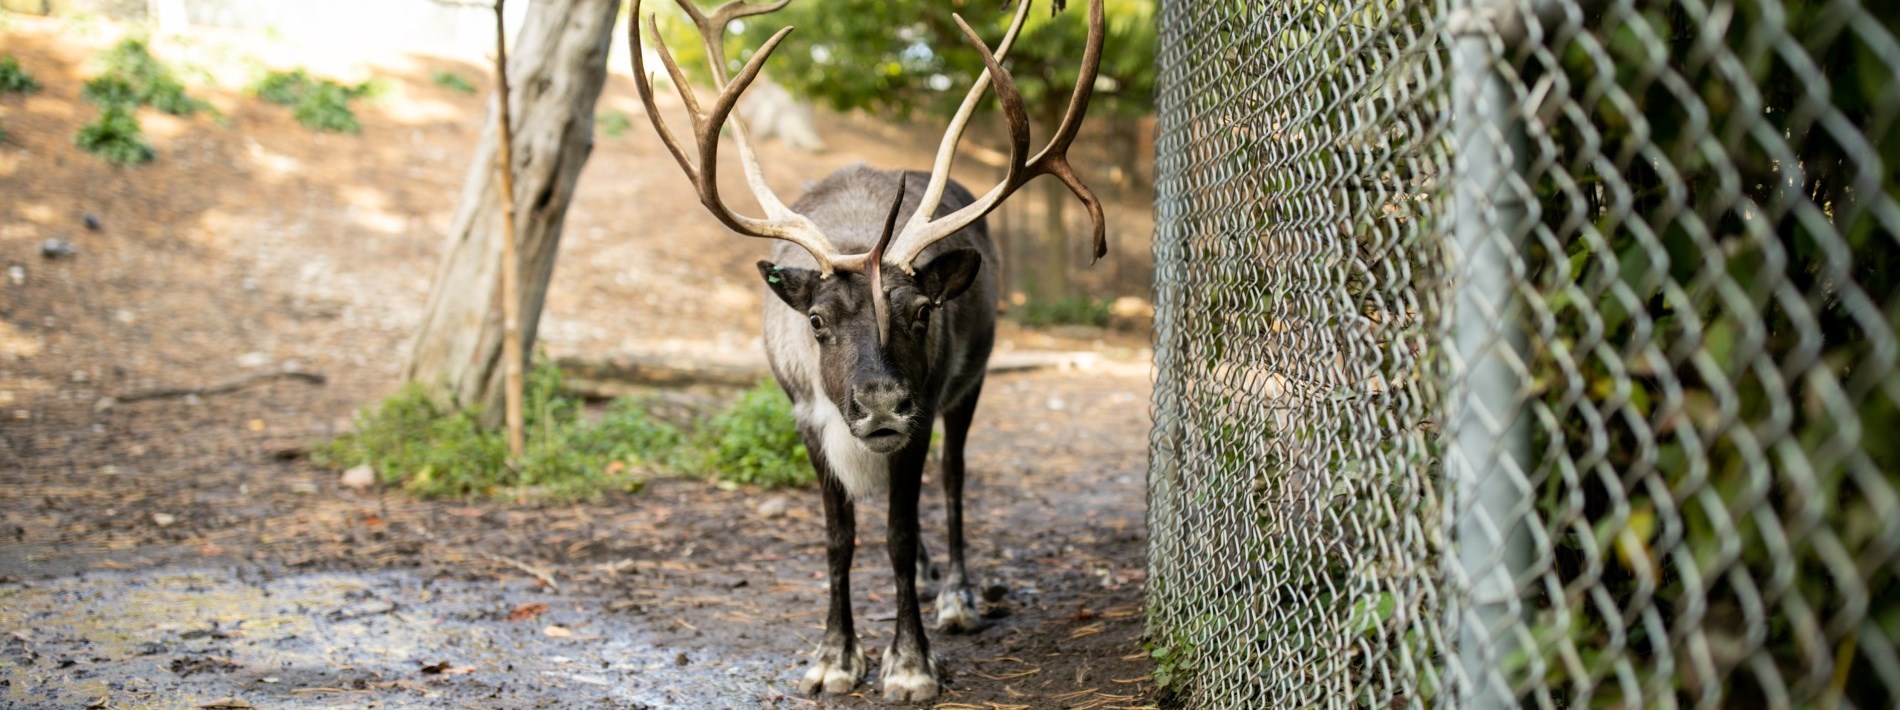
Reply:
x=923, y=313
x=817, y=321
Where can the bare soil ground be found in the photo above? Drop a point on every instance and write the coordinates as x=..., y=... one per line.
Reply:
x=176, y=552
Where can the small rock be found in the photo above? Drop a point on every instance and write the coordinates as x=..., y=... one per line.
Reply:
x=680, y=660
x=774, y=507
x=17, y=274
x=359, y=478
x=993, y=593
x=124, y=316
x=79, y=376
x=303, y=487
x=104, y=404
x=92, y=222
x=1056, y=404
x=164, y=520
x=57, y=249
x=253, y=359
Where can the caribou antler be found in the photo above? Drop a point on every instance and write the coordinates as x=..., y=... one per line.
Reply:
x=921, y=231
x=779, y=221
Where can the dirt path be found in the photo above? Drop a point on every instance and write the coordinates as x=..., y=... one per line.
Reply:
x=175, y=552
x=296, y=594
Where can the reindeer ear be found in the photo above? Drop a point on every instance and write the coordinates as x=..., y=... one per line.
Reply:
x=947, y=276
x=793, y=285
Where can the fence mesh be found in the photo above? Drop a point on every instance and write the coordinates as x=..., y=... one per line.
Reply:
x=1518, y=353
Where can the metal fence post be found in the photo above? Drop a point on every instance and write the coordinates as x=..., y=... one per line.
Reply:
x=1489, y=442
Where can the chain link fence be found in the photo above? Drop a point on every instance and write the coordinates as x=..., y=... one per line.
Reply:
x=1519, y=353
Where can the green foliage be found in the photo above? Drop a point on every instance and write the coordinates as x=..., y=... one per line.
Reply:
x=613, y=124
x=110, y=91
x=132, y=75
x=318, y=104
x=326, y=107
x=907, y=56
x=432, y=452
x=14, y=79
x=1175, y=661
x=284, y=88
x=1062, y=311
x=1611, y=283
x=115, y=136
x=452, y=81
x=754, y=442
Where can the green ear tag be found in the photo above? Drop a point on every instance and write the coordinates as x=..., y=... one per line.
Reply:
x=772, y=279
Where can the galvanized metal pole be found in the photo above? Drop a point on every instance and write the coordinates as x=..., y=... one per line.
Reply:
x=1489, y=444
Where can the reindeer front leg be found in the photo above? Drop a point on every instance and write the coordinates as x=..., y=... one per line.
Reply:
x=909, y=674
x=838, y=662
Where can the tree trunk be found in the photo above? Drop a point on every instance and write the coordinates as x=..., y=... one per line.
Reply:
x=1054, y=282
x=557, y=70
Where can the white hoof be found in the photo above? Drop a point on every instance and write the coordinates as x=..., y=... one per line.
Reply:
x=833, y=671
x=908, y=679
x=956, y=610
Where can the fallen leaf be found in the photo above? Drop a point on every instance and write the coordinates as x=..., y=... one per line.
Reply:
x=528, y=611
x=447, y=668
x=558, y=631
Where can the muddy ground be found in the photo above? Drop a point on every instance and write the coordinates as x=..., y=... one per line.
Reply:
x=178, y=552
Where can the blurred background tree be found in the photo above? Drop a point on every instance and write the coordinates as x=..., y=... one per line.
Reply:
x=906, y=60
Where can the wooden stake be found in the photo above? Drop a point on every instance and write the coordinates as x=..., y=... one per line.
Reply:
x=511, y=355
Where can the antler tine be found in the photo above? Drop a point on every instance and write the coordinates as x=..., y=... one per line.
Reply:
x=779, y=222
x=1053, y=160
x=953, y=134
x=712, y=35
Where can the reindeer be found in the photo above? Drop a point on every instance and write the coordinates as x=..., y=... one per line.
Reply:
x=873, y=330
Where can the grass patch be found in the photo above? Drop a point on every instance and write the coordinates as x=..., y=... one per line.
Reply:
x=452, y=81
x=429, y=452
x=318, y=104
x=14, y=79
x=1065, y=311
x=115, y=136
x=613, y=124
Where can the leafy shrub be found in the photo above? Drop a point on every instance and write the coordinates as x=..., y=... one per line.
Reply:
x=326, y=107
x=1066, y=311
x=318, y=104
x=754, y=442
x=132, y=75
x=111, y=91
x=115, y=136
x=13, y=79
x=430, y=452
x=284, y=88
x=613, y=124
x=452, y=81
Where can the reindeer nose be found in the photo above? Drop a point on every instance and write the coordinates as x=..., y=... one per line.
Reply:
x=885, y=397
